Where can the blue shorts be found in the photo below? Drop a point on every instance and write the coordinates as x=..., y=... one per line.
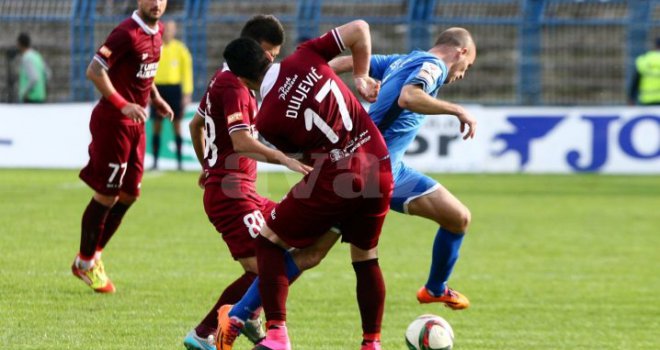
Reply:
x=408, y=185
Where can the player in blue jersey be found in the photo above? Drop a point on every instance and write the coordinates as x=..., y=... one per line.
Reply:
x=409, y=86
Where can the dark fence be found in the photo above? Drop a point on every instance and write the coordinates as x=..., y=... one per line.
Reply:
x=530, y=52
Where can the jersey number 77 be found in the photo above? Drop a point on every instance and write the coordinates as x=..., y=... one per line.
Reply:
x=313, y=119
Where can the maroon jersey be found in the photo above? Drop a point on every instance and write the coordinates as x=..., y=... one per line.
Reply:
x=227, y=106
x=307, y=108
x=130, y=54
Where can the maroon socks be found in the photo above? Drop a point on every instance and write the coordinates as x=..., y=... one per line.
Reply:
x=93, y=221
x=370, y=296
x=273, y=284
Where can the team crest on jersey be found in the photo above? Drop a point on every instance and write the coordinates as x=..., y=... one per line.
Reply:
x=337, y=155
x=105, y=51
x=232, y=118
x=147, y=70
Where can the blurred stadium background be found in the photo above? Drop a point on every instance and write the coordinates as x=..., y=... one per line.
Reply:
x=530, y=51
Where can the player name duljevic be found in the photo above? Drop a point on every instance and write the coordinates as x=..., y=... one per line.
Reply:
x=300, y=93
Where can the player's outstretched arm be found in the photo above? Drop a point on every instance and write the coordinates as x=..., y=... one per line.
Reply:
x=97, y=74
x=244, y=144
x=416, y=100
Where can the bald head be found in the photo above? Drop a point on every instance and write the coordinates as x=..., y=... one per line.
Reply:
x=456, y=37
x=456, y=48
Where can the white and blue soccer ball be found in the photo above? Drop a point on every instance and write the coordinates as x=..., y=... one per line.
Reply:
x=429, y=332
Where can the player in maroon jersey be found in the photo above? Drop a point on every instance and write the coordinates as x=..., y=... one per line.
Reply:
x=123, y=71
x=225, y=143
x=306, y=108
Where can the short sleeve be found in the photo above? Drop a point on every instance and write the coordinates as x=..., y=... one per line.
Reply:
x=378, y=65
x=429, y=75
x=116, y=45
x=328, y=45
x=236, y=106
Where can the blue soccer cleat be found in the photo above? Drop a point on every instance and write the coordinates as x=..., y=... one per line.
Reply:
x=194, y=342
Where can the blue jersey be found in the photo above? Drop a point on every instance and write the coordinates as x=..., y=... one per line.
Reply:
x=399, y=126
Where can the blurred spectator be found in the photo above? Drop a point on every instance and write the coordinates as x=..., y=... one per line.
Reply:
x=174, y=81
x=645, y=85
x=33, y=72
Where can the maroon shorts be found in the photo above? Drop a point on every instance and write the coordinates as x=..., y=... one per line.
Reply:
x=116, y=156
x=238, y=218
x=354, y=201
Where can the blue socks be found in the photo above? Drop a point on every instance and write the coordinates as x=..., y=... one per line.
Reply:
x=251, y=301
x=445, y=254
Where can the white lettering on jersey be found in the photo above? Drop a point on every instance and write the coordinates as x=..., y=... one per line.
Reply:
x=147, y=70
x=300, y=94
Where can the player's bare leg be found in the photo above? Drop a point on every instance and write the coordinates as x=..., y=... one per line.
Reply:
x=311, y=256
x=453, y=217
x=370, y=294
x=86, y=266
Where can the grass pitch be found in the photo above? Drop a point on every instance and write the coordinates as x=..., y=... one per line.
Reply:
x=550, y=262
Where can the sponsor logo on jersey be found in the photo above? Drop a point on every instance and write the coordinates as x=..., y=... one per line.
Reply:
x=234, y=117
x=145, y=55
x=147, y=70
x=105, y=51
x=286, y=87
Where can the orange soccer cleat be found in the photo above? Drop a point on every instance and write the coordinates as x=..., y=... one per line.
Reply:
x=229, y=328
x=95, y=277
x=451, y=298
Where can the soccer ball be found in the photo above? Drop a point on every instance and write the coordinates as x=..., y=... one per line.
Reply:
x=429, y=332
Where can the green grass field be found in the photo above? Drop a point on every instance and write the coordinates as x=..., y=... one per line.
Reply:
x=551, y=262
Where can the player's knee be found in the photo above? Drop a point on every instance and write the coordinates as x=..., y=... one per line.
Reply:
x=465, y=218
x=309, y=258
x=105, y=200
x=126, y=198
x=459, y=222
x=249, y=264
